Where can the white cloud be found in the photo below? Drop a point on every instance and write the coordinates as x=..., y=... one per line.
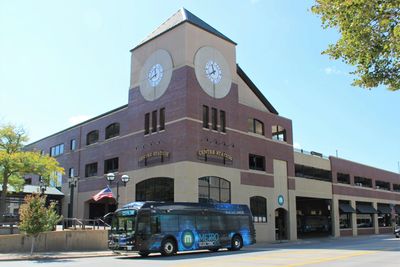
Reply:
x=332, y=70
x=296, y=145
x=78, y=119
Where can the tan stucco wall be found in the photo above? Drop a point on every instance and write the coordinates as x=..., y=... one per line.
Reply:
x=182, y=44
x=312, y=161
x=248, y=98
x=56, y=241
x=186, y=175
x=313, y=188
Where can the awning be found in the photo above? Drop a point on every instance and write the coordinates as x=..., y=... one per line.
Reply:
x=365, y=209
x=384, y=209
x=346, y=208
x=397, y=209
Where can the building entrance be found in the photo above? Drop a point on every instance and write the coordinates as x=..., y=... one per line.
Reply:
x=100, y=208
x=281, y=224
x=313, y=217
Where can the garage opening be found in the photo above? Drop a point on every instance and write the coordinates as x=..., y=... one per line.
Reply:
x=313, y=217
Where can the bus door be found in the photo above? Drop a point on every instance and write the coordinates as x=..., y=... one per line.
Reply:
x=143, y=233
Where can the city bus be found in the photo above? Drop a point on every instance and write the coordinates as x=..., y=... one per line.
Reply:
x=149, y=227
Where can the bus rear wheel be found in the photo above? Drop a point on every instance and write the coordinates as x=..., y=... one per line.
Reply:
x=168, y=247
x=236, y=243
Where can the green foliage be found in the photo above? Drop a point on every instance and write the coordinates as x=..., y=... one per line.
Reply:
x=370, y=38
x=35, y=217
x=15, y=162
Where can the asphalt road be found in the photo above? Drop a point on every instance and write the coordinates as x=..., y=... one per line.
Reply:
x=372, y=251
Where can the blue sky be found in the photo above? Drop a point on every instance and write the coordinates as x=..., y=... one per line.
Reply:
x=64, y=61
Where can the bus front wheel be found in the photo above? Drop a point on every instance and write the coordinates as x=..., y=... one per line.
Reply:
x=168, y=247
x=236, y=243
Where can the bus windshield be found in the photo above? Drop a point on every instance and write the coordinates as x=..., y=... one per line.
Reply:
x=124, y=222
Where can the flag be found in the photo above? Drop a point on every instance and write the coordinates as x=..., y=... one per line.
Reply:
x=106, y=192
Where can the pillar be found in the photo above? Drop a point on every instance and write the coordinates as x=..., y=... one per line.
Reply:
x=354, y=218
x=375, y=218
x=335, y=215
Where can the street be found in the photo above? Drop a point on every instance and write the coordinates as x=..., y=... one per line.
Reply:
x=365, y=251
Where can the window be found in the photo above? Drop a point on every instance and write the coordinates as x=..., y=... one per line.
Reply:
x=222, y=121
x=58, y=181
x=57, y=150
x=255, y=126
x=154, y=121
x=278, y=133
x=155, y=189
x=205, y=117
x=362, y=181
x=28, y=180
x=112, y=130
x=162, y=119
x=258, y=207
x=365, y=213
x=343, y=178
x=396, y=187
x=214, y=189
x=214, y=119
x=382, y=185
x=71, y=172
x=111, y=165
x=313, y=173
x=384, y=215
x=147, y=123
x=91, y=169
x=256, y=162
x=92, y=137
x=345, y=212
x=73, y=144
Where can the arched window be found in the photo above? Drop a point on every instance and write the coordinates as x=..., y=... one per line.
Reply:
x=278, y=133
x=214, y=189
x=258, y=207
x=155, y=189
x=92, y=137
x=112, y=130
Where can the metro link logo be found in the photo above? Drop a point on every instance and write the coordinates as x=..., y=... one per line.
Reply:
x=187, y=238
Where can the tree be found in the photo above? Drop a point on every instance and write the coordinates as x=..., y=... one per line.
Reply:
x=36, y=218
x=15, y=162
x=370, y=38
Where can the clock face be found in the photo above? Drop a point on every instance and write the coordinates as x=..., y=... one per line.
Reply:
x=213, y=71
x=155, y=75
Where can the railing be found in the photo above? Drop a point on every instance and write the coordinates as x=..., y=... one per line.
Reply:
x=75, y=223
x=10, y=226
x=311, y=153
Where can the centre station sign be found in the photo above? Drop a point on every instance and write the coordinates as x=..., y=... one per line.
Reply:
x=214, y=156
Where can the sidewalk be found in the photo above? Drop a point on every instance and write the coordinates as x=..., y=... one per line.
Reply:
x=55, y=255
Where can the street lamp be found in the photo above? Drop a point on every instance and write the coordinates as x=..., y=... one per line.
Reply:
x=111, y=177
x=42, y=187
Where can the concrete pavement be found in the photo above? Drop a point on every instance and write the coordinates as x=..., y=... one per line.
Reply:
x=259, y=246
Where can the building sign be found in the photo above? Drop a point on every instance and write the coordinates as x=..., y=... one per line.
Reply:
x=215, y=156
x=154, y=157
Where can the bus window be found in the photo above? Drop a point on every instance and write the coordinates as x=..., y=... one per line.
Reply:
x=217, y=223
x=202, y=223
x=155, y=225
x=232, y=223
x=169, y=223
x=186, y=221
x=144, y=224
x=244, y=222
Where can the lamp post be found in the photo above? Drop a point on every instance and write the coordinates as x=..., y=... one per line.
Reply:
x=42, y=187
x=72, y=181
x=111, y=178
